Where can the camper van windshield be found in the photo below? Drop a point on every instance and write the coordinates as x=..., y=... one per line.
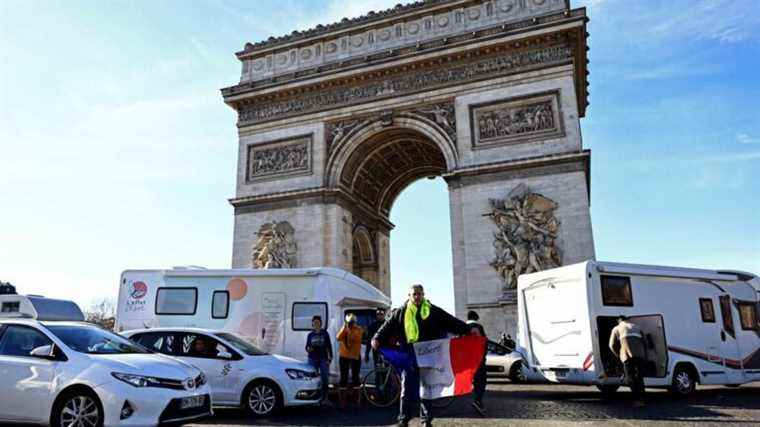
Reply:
x=93, y=340
x=241, y=344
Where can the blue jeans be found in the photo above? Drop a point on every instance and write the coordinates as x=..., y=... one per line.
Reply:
x=324, y=373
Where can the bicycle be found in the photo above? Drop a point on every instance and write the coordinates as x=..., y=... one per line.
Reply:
x=382, y=387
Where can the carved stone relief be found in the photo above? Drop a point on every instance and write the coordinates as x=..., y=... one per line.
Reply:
x=390, y=36
x=276, y=246
x=274, y=159
x=526, y=238
x=516, y=120
x=403, y=83
x=443, y=115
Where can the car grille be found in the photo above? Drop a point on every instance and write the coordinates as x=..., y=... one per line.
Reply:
x=174, y=413
x=492, y=368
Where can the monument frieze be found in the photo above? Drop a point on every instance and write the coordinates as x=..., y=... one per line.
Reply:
x=277, y=158
x=444, y=73
x=516, y=120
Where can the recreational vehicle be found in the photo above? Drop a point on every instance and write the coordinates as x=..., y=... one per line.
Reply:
x=700, y=326
x=271, y=308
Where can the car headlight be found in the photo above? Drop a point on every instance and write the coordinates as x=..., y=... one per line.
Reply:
x=135, y=380
x=297, y=374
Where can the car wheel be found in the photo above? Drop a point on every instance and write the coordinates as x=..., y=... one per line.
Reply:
x=684, y=383
x=77, y=409
x=516, y=373
x=262, y=398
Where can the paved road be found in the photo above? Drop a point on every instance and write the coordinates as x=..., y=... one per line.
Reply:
x=550, y=405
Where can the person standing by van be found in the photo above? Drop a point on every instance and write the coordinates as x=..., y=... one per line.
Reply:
x=479, y=380
x=350, y=346
x=319, y=350
x=627, y=342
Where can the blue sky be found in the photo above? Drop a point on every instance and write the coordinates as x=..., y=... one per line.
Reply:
x=117, y=151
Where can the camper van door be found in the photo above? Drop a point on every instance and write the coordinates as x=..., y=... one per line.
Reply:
x=729, y=340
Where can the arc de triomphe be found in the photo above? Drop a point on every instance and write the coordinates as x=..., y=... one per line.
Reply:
x=334, y=122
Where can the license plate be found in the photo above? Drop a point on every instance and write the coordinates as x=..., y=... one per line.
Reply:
x=192, y=402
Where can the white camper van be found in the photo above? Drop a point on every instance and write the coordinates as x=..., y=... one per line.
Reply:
x=271, y=308
x=700, y=326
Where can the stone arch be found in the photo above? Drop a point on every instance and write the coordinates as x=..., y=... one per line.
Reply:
x=363, y=248
x=357, y=161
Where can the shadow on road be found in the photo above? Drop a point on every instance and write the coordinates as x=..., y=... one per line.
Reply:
x=537, y=403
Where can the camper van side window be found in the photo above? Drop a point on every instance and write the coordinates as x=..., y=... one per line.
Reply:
x=220, y=304
x=725, y=312
x=10, y=307
x=176, y=301
x=748, y=315
x=304, y=311
x=616, y=291
x=707, y=309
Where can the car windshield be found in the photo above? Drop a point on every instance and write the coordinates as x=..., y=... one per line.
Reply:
x=241, y=344
x=93, y=340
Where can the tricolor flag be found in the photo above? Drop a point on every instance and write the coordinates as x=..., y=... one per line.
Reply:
x=446, y=366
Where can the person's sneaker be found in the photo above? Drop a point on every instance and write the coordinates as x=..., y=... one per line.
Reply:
x=480, y=408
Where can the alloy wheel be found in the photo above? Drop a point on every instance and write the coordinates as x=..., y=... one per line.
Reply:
x=80, y=411
x=262, y=399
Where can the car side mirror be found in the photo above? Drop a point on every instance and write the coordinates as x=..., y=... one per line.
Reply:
x=43, y=352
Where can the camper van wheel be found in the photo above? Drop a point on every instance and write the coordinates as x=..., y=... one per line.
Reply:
x=262, y=398
x=516, y=374
x=684, y=381
x=608, y=390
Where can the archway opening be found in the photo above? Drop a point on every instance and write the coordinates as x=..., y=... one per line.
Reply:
x=376, y=171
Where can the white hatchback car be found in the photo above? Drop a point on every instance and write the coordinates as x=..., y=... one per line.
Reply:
x=501, y=362
x=240, y=374
x=77, y=374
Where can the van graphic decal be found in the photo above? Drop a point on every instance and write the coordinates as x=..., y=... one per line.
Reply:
x=237, y=288
x=138, y=290
x=750, y=362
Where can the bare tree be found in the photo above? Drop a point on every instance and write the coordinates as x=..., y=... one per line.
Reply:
x=102, y=313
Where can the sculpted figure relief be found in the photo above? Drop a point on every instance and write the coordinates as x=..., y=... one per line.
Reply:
x=284, y=158
x=276, y=246
x=526, y=239
x=516, y=121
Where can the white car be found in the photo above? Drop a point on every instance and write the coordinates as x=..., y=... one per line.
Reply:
x=77, y=374
x=240, y=374
x=501, y=362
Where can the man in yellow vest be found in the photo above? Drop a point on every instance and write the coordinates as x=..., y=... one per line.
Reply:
x=417, y=320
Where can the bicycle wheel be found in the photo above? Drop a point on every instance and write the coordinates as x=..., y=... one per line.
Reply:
x=381, y=387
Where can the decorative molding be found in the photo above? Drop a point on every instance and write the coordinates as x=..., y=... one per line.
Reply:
x=413, y=24
x=275, y=247
x=526, y=238
x=516, y=120
x=403, y=81
x=275, y=159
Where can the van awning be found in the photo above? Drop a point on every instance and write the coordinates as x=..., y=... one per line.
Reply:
x=361, y=302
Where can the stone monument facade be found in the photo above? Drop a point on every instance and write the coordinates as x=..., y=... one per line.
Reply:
x=334, y=122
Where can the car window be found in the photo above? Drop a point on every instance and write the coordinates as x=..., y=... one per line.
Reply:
x=161, y=342
x=21, y=340
x=203, y=346
x=91, y=339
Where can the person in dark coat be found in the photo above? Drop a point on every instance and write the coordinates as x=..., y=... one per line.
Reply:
x=320, y=354
x=415, y=321
x=479, y=380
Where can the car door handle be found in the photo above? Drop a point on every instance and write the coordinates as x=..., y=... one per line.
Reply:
x=723, y=335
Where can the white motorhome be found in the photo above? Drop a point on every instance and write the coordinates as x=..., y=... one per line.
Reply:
x=700, y=326
x=271, y=308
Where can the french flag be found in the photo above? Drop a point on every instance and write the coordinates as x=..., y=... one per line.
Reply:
x=446, y=366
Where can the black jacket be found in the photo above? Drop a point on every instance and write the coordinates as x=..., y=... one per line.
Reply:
x=437, y=325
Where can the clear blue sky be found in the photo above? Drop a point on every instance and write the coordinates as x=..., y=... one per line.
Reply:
x=117, y=151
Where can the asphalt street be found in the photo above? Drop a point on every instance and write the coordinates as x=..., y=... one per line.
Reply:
x=549, y=405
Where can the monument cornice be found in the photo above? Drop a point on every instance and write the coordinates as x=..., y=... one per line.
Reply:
x=232, y=94
x=454, y=69
x=578, y=161
x=310, y=196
